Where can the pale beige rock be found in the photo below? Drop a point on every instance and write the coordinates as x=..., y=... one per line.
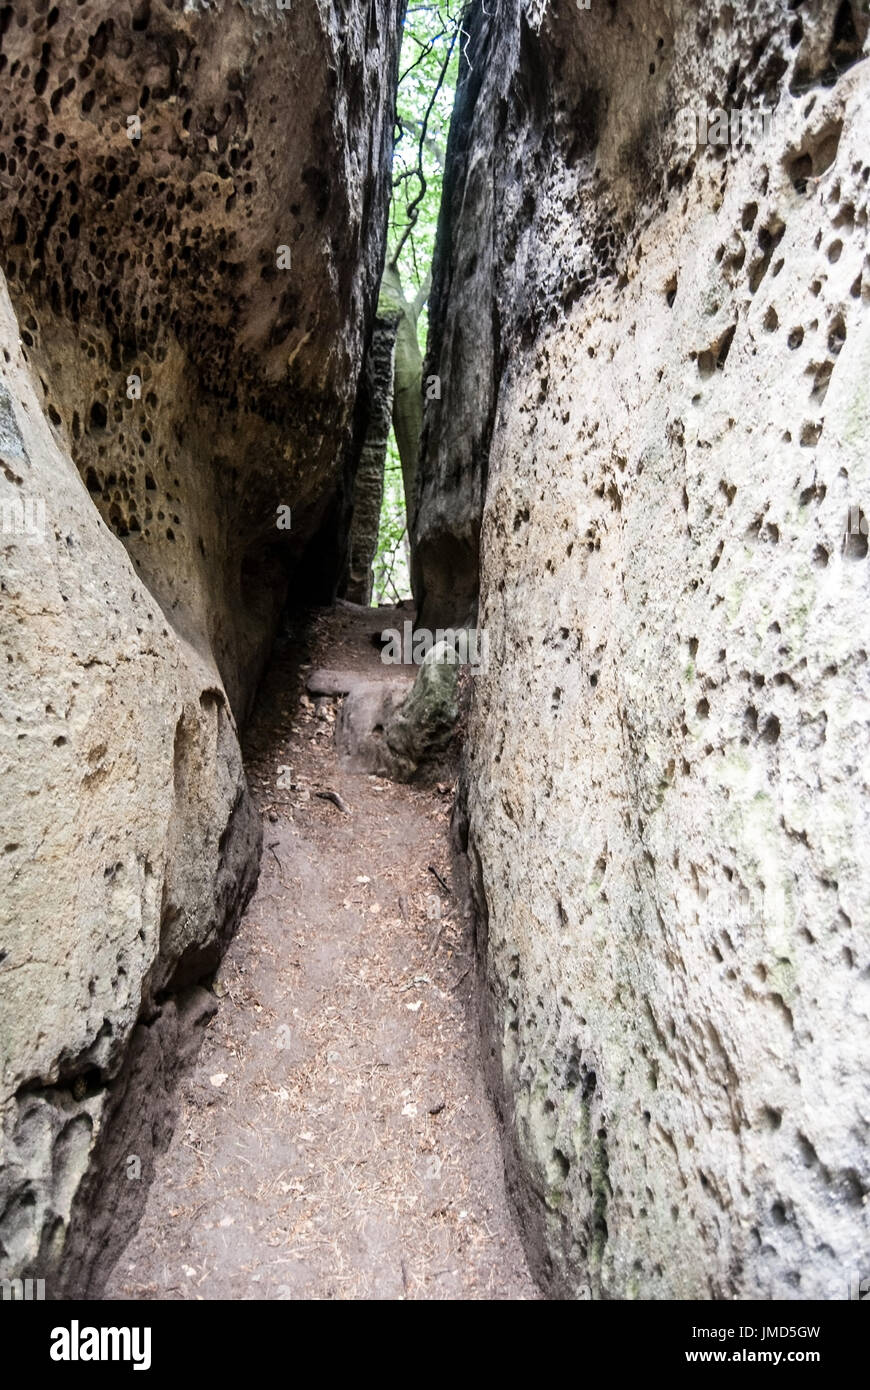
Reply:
x=669, y=753
x=128, y=841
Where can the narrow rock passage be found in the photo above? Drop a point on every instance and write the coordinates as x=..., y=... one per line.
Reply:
x=334, y=1139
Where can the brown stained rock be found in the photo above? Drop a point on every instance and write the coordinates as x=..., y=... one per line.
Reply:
x=157, y=258
x=323, y=681
x=401, y=728
x=174, y=388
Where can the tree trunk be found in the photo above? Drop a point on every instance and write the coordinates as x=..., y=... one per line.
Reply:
x=369, y=485
x=408, y=382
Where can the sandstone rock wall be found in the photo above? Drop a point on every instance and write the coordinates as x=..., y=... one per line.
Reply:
x=193, y=308
x=655, y=411
x=129, y=843
x=160, y=258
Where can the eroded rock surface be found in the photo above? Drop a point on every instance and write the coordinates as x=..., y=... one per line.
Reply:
x=228, y=259
x=655, y=409
x=129, y=843
x=193, y=307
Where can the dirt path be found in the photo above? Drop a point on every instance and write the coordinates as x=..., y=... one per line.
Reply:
x=334, y=1139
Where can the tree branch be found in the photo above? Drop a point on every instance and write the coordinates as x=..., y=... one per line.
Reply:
x=421, y=296
x=414, y=205
x=438, y=152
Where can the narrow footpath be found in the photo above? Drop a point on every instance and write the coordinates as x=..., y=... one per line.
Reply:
x=334, y=1139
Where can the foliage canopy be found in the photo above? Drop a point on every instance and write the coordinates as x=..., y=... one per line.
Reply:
x=428, y=69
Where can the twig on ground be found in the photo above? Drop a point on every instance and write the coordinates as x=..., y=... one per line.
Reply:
x=438, y=935
x=440, y=879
